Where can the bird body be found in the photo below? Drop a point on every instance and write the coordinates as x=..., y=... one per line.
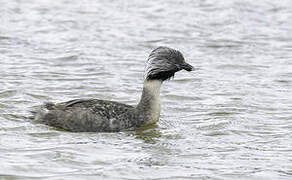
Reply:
x=94, y=115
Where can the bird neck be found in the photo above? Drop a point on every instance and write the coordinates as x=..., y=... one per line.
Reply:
x=149, y=105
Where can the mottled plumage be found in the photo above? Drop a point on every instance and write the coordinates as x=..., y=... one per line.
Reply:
x=94, y=115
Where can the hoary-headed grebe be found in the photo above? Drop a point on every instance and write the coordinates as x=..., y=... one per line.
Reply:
x=94, y=115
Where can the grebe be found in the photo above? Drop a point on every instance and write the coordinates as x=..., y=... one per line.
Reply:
x=94, y=115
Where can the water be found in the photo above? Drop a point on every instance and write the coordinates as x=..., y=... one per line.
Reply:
x=231, y=119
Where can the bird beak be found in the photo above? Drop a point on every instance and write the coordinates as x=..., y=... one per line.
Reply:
x=187, y=67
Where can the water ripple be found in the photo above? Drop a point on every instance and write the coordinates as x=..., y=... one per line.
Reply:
x=229, y=119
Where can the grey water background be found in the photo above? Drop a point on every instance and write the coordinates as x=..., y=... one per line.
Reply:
x=231, y=119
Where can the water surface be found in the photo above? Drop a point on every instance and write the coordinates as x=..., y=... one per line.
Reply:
x=231, y=119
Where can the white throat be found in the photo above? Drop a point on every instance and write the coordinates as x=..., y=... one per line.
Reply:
x=150, y=100
x=153, y=87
